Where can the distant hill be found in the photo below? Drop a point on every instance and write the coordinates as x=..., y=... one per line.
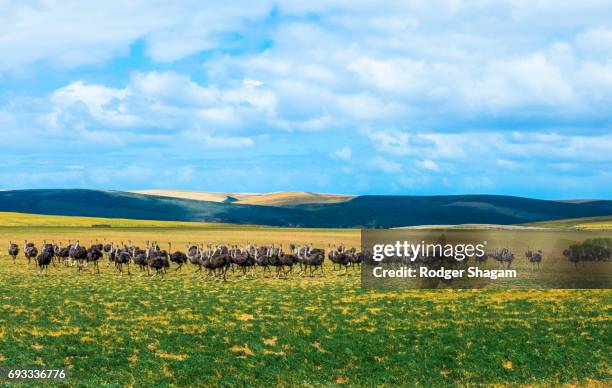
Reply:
x=285, y=198
x=363, y=211
x=292, y=198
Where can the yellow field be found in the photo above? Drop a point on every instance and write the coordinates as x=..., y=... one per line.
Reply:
x=595, y=225
x=37, y=228
x=587, y=223
x=22, y=219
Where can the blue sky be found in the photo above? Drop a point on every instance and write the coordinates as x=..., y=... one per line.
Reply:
x=415, y=97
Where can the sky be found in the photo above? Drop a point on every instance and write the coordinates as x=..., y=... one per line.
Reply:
x=358, y=97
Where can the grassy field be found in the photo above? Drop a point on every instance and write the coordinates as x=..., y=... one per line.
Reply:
x=135, y=331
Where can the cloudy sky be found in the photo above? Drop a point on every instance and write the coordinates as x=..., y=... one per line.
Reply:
x=412, y=97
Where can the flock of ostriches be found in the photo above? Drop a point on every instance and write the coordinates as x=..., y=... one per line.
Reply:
x=215, y=261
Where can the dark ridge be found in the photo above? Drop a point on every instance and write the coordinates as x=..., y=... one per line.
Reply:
x=364, y=211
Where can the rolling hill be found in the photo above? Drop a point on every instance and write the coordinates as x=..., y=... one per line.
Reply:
x=292, y=198
x=362, y=211
x=285, y=198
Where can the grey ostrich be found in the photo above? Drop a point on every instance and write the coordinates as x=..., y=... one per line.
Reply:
x=535, y=258
x=30, y=251
x=94, y=254
x=44, y=259
x=311, y=259
x=177, y=257
x=340, y=258
x=158, y=260
x=243, y=259
x=13, y=251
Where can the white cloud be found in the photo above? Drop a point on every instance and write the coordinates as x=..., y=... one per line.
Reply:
x=344, y=153
x=103, y=103
x=227, y=142
x=385, y=165
x=171, y=88
x=161, y=100
x=428, y=164
x=399, y=143
x=251, y=83
x=397, y=75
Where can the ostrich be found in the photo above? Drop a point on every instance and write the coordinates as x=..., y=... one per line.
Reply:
x=30, y=251
x=357, y=258
x=177, y=257
x=158, y=260
x=243, y=259
x=107, y=248
x=274, y=259
x=219, y=262
x=93, y=255
x=195, y=257
x=573, y=255
x=287, y=260
x=535, y=258
x=140, y=258
x=78, y=255
x=480, y=257
x=504, y=256
x=311, y=258
x=260, y=256
x=13, y=251
x=339, y=258
x=63, y=253
x=108, y=251
x=44, y=259
x=123, y=257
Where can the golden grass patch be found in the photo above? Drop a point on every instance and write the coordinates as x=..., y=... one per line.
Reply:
x=178, y=357
x=242, y=349
x=341, y=380
x=270, y=341
x=244, y=317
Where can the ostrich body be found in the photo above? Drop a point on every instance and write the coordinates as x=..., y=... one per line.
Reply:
x=140, y=258
x=13, y=251
x=94, y=254
x=219, y=262
x=195, y=257
x=30, y=251
x=44, y=259
x=287, y=260
x=177, y=257
x=339, y=257
x=243, y=259
x=158, y=260
x=122, y=258
x=311, y=258
x=535, y=258
x=78, y=255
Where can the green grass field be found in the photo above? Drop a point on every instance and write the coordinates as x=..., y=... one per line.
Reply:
x=181, y=331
